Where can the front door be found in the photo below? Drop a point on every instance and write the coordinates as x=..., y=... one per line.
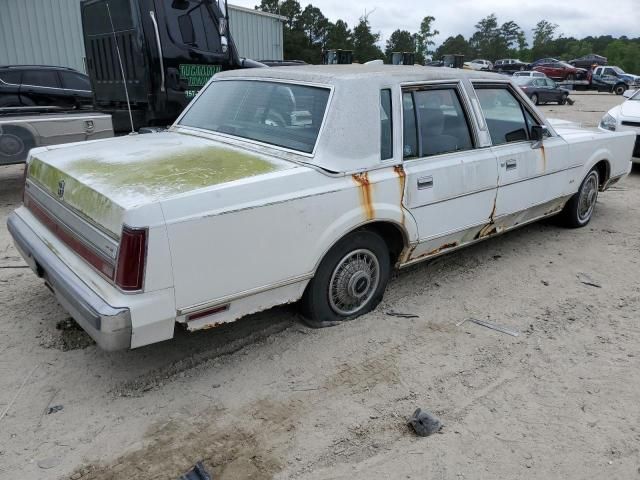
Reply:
x=534, y=179
x=450, y=181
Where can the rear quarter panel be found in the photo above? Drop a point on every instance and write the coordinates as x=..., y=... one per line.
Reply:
x=263, y=231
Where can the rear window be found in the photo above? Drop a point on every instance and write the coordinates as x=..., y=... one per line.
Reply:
x=10, y=77
x=75, y=81
x=281, y=114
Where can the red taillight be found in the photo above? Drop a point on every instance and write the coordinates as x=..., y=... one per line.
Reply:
x=132, y=256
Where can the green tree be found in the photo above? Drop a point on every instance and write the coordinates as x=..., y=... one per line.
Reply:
x=339, y=36
x=399, y=41
x=364, y=42
x=455, y=45
x=543, y=36
x=488, y=40
x=424, y=39
x=512, y=38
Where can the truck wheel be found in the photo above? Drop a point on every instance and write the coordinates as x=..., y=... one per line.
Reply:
x=619, y=89
x=579, y=209
x=534, y=99
x=349, y=282
x=15, y=143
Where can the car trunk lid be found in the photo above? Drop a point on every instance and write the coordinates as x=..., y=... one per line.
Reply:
x=102, y=180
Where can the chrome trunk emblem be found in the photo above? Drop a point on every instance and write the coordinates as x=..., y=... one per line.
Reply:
x=61, y=188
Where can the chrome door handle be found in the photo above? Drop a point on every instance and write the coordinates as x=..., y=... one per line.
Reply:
x=511, y=164
x=425, y=182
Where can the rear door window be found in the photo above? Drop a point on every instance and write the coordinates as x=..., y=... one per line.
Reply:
x=41, y=78
x=504, y=114
x=435, y=123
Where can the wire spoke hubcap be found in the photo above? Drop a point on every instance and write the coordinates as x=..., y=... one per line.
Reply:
x=588, y=197
x=354, y=282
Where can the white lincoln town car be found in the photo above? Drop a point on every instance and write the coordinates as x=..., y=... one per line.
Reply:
x=289, y=184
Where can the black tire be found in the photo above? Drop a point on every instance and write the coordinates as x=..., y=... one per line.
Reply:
x=535, y=99
x=563, y=99
x=522, y=69
x=574, y=214
x=15, y=143
x=619, y=89
x=318, y=309
x=571, y=77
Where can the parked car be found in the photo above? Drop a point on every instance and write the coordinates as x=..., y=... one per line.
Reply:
x=625, y=117
x=479, y=64
x=615, y=76
x=435, y=63
x=40, y=85
x=529, y=73
x=540, y=61
x=510, y=65
x=561, y=71
x=588, y=61
x=542, y=90
x=241, y=206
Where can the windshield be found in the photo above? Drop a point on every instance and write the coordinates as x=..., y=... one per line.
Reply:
x=281, y=114
x=636, y=96
x=618, y=70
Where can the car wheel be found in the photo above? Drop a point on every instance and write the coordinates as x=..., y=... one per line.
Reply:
x=15, y=143
x=579, y=209
x=563, y=99
x=522, y=69
x=620, y=89
x=349, y=282
x=571, y=77
x=534, y=99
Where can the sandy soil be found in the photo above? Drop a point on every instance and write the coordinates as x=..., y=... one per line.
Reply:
x=269, y=398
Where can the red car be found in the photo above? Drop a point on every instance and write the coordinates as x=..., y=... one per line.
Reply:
x=561, y=71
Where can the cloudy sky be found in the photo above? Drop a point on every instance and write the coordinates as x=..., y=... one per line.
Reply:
x=577, y=18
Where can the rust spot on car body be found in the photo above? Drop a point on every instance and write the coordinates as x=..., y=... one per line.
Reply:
x=402, y=176
x=366, y=197
x=544, y=158
x=441, y=249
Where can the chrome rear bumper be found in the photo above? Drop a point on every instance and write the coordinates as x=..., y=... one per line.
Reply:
x=109, y=326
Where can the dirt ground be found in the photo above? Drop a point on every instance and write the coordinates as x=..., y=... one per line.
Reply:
x=267, y=397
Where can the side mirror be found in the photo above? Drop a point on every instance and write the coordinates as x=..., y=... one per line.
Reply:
x=629, y=93
x=538, y=132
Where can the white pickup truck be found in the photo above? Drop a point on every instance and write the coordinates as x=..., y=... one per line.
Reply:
x=298, y=183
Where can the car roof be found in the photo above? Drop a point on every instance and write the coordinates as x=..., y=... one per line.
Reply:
x=377, y=74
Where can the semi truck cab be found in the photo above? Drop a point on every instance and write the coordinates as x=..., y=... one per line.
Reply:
x=168, y=50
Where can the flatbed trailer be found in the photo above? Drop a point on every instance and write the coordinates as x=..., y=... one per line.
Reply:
x=24, y=128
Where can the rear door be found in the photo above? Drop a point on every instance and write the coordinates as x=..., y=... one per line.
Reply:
x=450, y=180
x=77, y=86
x=42, y=86
x=534, y=180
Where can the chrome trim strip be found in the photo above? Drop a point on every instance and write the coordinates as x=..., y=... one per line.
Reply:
x=85, y=232
x=159, y=45
x=520, y=180
x=244, y=294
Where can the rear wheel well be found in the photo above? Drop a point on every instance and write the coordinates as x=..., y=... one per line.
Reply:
x=392, y=234
x=604, y=170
